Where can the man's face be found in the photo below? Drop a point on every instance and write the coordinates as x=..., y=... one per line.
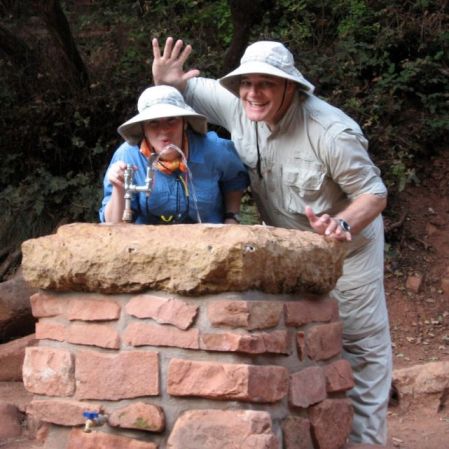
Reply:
x=265, y=98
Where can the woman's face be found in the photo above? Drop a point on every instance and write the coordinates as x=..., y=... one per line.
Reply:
x=164, y=131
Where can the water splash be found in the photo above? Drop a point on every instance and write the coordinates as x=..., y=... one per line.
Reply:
x=169, y=153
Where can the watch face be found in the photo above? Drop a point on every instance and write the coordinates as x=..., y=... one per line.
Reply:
x=344, y=225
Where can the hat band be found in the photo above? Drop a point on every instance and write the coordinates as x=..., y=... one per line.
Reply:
x=161, y=101
x=271, y=60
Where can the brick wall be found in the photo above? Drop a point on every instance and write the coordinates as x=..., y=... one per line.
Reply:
x=182, y=372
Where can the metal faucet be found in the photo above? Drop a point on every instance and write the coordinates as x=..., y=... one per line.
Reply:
x=93, y=419
x=131, y=188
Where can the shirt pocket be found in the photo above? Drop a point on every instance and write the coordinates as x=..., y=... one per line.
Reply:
x=302, y=185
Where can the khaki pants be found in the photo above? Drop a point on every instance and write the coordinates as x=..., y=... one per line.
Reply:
x=367, y=347
x=371, y=361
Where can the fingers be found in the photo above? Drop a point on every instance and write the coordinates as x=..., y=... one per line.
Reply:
x=177, y=49
x=116, y=174
x=168, y=48
x=340, y=234
x=190, y=74
x=327, y=225
x=326, y=222
x=185, y=53
x=310, y=215
x=156, y=49
x=171, y=52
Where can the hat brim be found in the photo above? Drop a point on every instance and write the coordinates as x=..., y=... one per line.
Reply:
x=231, y=81
x=132, y=132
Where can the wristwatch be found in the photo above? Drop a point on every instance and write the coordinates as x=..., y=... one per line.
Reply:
x=235, y=216
x=344, y=225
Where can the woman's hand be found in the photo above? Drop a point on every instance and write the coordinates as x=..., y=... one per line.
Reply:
x=168, y=67
x=116, y=174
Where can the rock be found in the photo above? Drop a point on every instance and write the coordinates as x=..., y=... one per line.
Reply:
x=187, y=259
x=139, y=416
x=16, y=319
x=15, y=393
x=423, y=384
x=331, y=422
x=414, y=282
x=10, y=419
x=12, y=355
x=239, y=428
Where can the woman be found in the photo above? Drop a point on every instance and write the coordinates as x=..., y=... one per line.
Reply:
x=196, y=176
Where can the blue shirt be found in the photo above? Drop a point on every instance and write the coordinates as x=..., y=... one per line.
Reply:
x=215, y=169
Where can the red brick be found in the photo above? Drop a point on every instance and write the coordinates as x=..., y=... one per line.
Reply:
x=319, y=310
x=229, y=313
x=49, y=371
x=163, y=310
x=275, y=342
x=92, y=308
x=296, y=433
x=213, y=429
x=323, y=341
x=50, y=330
x=339, y=376
x=46, y=305
x=227, y=381
x=331, y=422
x=307, y=387
x=245, y=314
x=101, y=335
x=63, y=412
x=100, y=440
x=140, y=334
x=125, y=375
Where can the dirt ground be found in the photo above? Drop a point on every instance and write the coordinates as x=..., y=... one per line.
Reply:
x=418, y=250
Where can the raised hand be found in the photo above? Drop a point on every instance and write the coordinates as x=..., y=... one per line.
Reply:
x=168, y=67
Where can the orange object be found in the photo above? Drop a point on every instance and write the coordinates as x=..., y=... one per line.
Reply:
x=167, y=167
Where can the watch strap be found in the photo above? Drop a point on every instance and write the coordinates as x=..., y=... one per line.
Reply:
x=233, y=215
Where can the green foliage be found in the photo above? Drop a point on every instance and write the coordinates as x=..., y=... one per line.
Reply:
x=385, y=63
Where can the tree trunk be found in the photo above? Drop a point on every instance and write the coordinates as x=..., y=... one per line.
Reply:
x=59, y=28
x=244, y=14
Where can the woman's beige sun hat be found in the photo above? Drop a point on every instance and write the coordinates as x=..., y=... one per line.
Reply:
x=160, y=102
x=268, y=58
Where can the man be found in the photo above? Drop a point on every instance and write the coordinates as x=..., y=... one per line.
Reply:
x=309, y=170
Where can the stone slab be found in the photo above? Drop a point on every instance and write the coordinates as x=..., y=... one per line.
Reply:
x=188, y=259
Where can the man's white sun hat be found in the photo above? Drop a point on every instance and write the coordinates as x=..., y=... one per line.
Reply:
x=268, y=58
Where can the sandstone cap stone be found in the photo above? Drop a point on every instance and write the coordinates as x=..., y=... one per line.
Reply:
x=188, y=259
